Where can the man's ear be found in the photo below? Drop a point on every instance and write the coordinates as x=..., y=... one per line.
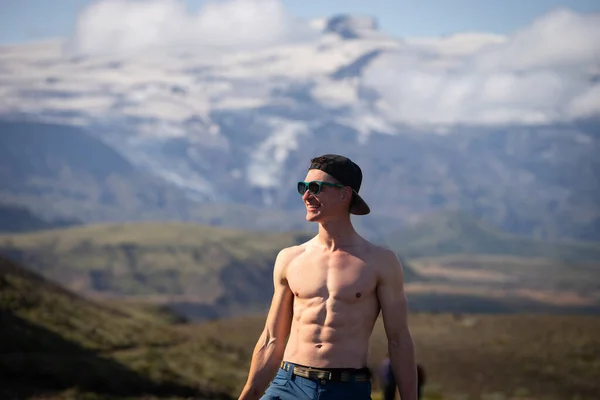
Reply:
x=347, y=193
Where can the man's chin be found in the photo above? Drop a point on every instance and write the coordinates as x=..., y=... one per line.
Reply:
x=312, y=216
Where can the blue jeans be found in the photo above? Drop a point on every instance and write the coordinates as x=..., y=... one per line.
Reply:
x=286, y=386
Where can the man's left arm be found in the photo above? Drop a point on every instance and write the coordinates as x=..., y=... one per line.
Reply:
x=394, y=309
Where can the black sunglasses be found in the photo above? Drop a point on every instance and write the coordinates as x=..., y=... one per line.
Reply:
x=314, y=187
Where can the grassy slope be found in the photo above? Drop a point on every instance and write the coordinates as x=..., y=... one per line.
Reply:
x=54, y=344
x=52, y=340
x=511, y=356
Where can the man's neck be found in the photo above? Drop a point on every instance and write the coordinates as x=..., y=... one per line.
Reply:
x=338, y=233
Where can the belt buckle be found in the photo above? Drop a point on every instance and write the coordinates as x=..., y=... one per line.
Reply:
x=313, y=373
x=323, y=375
x=316, y=373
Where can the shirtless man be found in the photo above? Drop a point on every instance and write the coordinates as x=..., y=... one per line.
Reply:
x=328, y=293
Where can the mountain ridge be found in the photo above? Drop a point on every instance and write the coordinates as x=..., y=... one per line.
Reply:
x=237, y=126
x=20, y=219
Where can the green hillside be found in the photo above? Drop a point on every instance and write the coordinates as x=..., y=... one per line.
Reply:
x=448, y=233
x=57, y=345
x=52, y=340
x=173, y=262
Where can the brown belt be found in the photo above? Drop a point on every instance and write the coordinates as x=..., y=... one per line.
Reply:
x=335, y=374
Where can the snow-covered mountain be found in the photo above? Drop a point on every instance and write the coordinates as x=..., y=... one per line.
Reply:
x=504, y=127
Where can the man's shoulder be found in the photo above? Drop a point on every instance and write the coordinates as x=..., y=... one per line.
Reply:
x=287, y=254
x=383, y=254
x=284, y=259
x=385, y=260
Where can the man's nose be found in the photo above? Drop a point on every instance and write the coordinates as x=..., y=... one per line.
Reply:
x=306, y=195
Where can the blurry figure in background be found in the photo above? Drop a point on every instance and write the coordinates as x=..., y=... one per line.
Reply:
x=388, y=381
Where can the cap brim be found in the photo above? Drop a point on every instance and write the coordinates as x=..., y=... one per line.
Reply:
x=360, y=207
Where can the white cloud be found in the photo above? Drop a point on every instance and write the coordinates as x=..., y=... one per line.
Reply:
x=335, y=93
x=458, y=44
x=544, y=73
x=109, y=26
x=586, y=104
x=540, y=74
x=558, y=39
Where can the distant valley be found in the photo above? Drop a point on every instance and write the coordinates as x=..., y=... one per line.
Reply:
x=170, y=175
x=205, y=272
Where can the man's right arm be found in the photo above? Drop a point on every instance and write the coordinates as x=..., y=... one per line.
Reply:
x=270, y=347
x=394, y=310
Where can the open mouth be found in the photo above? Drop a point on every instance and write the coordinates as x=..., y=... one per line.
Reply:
x=312, y=207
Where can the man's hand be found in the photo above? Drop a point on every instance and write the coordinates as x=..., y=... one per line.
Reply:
x=394, y=309
x=270, y=347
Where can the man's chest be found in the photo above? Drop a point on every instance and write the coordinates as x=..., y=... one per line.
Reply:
x=342, y=276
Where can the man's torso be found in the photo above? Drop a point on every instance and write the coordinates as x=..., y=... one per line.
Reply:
x=335, y=305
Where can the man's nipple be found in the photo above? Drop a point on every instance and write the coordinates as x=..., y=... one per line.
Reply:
x=358, y=295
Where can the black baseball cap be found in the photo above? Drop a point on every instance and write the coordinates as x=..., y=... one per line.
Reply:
x=347, y=173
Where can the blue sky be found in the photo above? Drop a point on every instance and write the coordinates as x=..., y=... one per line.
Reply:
x=25, y=20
